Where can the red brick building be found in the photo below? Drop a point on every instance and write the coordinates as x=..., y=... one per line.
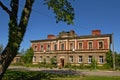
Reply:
x=68, y=47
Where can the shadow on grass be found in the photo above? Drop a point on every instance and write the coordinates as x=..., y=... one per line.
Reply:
x=26, y=75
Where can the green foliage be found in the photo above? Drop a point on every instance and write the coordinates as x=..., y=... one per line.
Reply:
x=109, y=58
x=27, y=57
x=63, y=10
x=81, y=66
x=117, y=60
x=26, y=75
x=93, y=65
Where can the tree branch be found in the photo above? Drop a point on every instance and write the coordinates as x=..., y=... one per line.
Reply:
x=25, y=15
x=14, y=4
x=5, y=8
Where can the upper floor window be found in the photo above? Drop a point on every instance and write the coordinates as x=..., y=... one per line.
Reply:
x=100, y=45
x=80, y=59
x=62, y=46
x=55, y=47
x=80, y=45
x=35, y=48
x=101, y=59
x=89, y=59
x=71, y=46
x=48, y=47
x=90, y=45
x=41, y=47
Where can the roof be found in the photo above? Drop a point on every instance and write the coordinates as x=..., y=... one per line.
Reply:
x=75, y=37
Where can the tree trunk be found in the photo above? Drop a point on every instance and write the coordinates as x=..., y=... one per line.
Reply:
x=16, y=33
x=7, y=57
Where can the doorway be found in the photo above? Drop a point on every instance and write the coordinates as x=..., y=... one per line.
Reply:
x=62, y=62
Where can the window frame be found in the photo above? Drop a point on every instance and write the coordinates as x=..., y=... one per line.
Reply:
x=80, y=59
x=71, y=59
x=90, y=59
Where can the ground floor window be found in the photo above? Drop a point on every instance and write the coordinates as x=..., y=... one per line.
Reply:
x=41, y=59
x=89, y=59
x=80, y=59
x=101, y=59
x=71, y=59
x=47, y=58
x=34, y=58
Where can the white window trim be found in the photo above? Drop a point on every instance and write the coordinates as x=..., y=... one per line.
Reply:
x=89, y=60
x=102, y=42
x=79, y=45
x=88, y=44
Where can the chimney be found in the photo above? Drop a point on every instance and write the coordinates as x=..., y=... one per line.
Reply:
x=50, y=36
x=72, y=32
x=96, y=32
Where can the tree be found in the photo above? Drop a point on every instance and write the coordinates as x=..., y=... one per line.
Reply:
x=117, y=60
x=109, y=58
x=1, y=48
x=27, y=57
x=17, y=28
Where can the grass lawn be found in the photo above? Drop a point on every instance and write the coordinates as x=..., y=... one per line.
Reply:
x=30, y=75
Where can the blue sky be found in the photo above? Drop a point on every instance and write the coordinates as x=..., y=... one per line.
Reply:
x=89, y=15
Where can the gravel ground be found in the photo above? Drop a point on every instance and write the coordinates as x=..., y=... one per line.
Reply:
x=71, y=72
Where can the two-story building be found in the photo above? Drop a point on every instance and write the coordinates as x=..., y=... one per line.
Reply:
x=68, y=47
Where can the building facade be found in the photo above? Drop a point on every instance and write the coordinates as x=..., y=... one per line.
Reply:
x=68, y=47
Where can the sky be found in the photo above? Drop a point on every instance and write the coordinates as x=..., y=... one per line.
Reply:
x=89, y=15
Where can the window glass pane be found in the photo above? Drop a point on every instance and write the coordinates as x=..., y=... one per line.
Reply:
x=90, y=45
x=71, y=59
x=55, y=47
x=62, y=46
x=80, y=59
x=101, y=59
x=90, y=59
x=34, y=58
x=80, y=45
x=100, y=45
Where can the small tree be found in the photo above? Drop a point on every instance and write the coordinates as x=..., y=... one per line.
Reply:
x=93, y=65
x=27, y=57
x=54, y=61
x=109, y=58
x=117, y=60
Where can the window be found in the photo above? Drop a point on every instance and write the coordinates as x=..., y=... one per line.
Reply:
x=41, y=47
x=34, y=58
x=62, y=46
x=47, y=58
x=17, y=60
x=71, y=59
x=90, y=59
x=100, y=45
x=80, y=59
x=80, y=45
x=90, y=45
x=55, y=47
x=48, y=47
x=71, y=46
x=41, y=59
x=101, y=59
x=35, y=48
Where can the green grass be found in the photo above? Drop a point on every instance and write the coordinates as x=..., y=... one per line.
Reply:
x=30, y=75
x=88, y=78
